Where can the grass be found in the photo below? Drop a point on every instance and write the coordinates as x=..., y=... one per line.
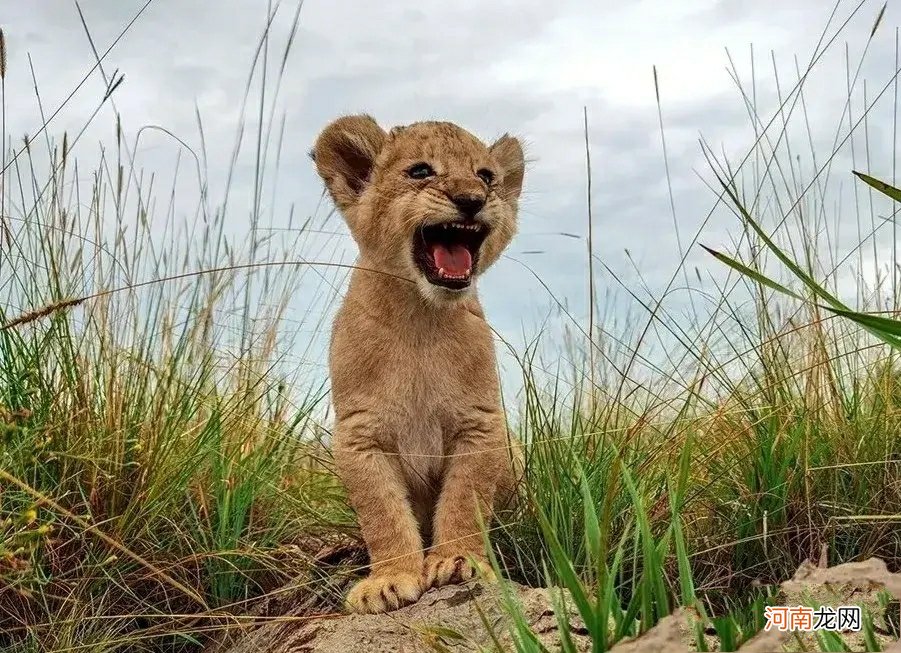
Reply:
x=163, y=443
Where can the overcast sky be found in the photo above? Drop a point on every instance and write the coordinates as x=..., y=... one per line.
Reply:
x=525, y=66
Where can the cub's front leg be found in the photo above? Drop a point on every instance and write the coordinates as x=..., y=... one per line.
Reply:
x=477, y=468
x=379, y=495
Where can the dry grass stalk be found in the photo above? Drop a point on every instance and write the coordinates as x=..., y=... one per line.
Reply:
x=2, y=55
x=42, y=312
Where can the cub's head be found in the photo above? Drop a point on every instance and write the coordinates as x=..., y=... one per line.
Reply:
x=428, y=201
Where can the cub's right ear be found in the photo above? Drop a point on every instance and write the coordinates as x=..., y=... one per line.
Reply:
x=345, y=153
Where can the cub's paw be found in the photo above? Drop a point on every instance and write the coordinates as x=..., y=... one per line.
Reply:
x=450, y=570
x=383, y=593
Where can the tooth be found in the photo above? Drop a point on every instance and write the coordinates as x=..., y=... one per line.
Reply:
x=440, y=272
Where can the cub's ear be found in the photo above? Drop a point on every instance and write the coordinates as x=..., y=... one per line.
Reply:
x=344, y=153
x=508, y=153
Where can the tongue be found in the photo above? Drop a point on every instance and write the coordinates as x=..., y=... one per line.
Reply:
x=455, y=259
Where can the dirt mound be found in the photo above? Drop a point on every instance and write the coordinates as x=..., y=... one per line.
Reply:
x=454, y=618
x=448, y=616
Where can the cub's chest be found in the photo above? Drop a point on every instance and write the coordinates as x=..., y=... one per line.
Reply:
x=407, y=366
x=435, y=372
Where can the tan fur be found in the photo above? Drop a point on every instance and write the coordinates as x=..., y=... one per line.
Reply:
x=420, y=438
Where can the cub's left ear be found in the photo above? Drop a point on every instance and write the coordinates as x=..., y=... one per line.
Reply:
x=508, y=153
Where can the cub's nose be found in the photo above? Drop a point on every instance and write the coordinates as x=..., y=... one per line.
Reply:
x=468, y=204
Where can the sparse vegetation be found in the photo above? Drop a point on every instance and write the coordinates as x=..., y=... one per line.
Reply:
x=164, y=461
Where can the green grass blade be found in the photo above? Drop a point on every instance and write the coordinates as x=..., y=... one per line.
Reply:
x=869, y=633
x=886, y=189
x=653, y=584
x=753, y=274
x=830, y=641
x=808, y=281
x=598, y=555
x=885, y=329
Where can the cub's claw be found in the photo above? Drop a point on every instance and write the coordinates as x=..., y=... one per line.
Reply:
x=383, y=593
x=439, y=570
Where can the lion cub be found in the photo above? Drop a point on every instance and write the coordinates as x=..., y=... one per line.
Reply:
x=420, y=439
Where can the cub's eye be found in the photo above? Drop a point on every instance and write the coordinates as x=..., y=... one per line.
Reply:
x=420, y=171
x=485, y=175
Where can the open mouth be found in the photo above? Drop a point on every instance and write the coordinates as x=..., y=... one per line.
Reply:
x=447, y=253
